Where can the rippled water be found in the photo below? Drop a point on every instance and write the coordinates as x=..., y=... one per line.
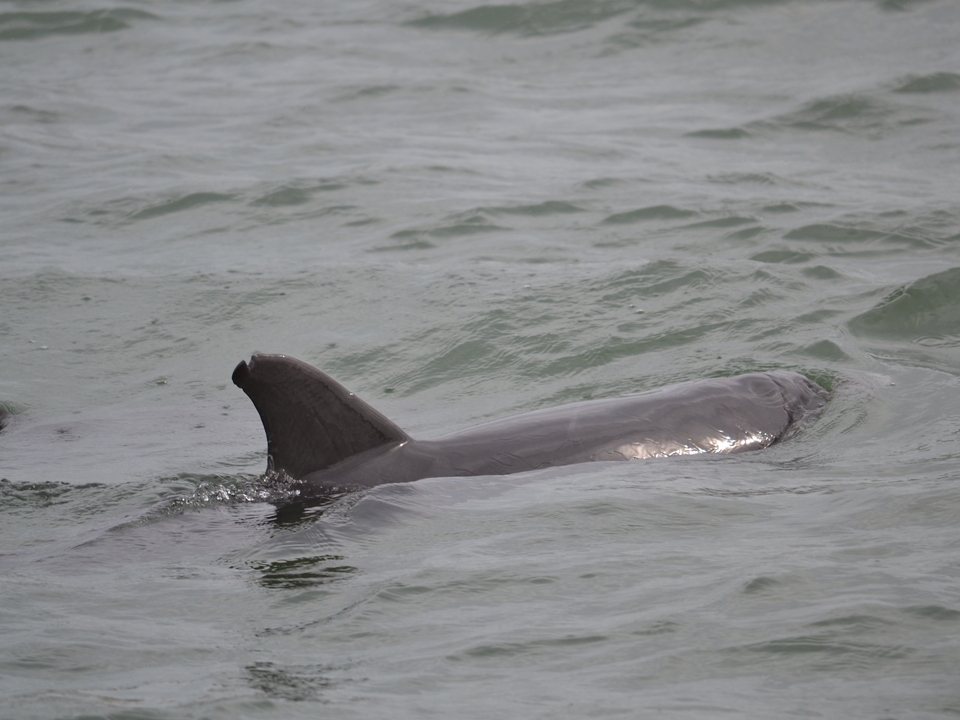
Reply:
x=463, y=211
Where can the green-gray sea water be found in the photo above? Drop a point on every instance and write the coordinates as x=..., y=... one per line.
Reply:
x=463, y=211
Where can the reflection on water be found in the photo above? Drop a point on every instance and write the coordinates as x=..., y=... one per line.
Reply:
x=303, y=572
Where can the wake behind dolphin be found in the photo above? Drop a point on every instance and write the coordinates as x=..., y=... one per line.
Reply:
x=325, y=439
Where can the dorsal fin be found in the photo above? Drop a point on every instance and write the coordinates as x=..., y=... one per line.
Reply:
x=311, y=420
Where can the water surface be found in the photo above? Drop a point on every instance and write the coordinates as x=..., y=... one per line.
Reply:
x=463, y=211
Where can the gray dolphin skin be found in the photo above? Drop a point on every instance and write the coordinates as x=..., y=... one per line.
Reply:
x=325, y=439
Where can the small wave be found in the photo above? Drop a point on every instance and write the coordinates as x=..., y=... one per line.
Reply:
x=843, y=239
x=654, y=212
x=458, y=227
x=186, y=202
x=730, y=221
x=531, y=19
x=746, y=178
x=295, y=195
x=934, y=83
x=646, y=30
x=14, y=495
x=550, y=207
x=865, y=115
x=365, y=92
x=734, y=133
x=788, y=257
x=284, y=196
x=35, y=25
x=927, y=308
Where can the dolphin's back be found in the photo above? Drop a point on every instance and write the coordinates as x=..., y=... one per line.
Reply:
x=321, y=434
x=723, y=415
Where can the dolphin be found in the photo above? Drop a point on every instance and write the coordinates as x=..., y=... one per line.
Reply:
x=323, y=439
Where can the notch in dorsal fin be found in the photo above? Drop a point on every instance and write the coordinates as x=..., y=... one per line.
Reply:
x=311, y=420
